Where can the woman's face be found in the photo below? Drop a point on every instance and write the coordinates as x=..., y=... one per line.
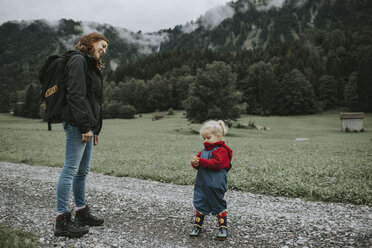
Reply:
x=99, y=48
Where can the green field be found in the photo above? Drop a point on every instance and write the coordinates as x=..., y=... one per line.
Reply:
x=13, y=238
x=330, y=166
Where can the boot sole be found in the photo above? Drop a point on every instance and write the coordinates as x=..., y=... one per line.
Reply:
x=222, y=238
x=194, y=236
x=90, y=224
x=70, y=235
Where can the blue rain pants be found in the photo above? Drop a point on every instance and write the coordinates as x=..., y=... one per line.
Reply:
x=210, y=188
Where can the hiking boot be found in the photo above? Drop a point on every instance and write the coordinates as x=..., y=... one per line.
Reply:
x=66, y=227
x=222, y=223
x=199, y=218
x=84, y=217
x=195, y=232
x=222, y=233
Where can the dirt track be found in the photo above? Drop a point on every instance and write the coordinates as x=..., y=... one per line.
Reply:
x=142, y=213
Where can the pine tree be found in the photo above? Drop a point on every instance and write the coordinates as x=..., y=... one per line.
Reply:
x=327, y=91
x=31, y=105
x=351, y=93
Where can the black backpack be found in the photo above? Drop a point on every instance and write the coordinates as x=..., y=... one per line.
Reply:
x=53, y=88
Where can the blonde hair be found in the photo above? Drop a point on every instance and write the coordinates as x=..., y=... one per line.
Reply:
x=215, y=127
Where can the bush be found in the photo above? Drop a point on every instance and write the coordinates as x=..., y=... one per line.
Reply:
x=157, y=116
x=115, y=109
x=170, y=111
x=19, y=109
x=127, y=111
x=229, y=123
x=250, y=124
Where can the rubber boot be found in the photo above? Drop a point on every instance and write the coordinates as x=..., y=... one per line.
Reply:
x=66, y=227
x=84, y=217
x=199, y=218
x=222, y=223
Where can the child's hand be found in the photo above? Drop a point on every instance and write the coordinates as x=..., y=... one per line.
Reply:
x=195, y=162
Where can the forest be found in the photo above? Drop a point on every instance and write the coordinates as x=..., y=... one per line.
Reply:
x=292, y=60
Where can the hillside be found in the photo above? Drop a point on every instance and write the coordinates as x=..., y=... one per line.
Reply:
x=334, y=35
x=252, y=24
x=290, y=58
x=31, y=42
x=26, y=45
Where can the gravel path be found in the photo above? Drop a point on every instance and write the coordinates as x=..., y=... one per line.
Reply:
x=142, y=213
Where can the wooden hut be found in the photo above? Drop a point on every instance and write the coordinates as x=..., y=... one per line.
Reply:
x=352, y=122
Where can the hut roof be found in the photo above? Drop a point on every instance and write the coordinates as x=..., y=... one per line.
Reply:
x=352, y=115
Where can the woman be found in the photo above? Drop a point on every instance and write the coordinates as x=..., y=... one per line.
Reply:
x=82, y=124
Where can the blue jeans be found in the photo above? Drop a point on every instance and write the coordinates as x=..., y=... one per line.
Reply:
x=74, y=171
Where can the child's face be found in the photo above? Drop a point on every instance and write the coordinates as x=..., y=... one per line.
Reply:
x=209, y=137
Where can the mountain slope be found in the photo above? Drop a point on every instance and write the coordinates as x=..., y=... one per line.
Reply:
x=255, y=24
x=26, y=45
x=237, y=26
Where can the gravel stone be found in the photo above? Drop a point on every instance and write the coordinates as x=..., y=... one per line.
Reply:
x=140, y=213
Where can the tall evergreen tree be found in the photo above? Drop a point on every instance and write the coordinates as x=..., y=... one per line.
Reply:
x=327, y=91
x=351, y=93
x=31, y=102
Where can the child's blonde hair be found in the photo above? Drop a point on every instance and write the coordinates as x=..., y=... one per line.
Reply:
x=216, y=127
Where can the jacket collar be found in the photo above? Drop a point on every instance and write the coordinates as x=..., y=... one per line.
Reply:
x=210, y=146
x=91, y=59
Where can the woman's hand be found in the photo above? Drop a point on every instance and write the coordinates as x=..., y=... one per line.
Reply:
x=87, y=137
x=96, y=140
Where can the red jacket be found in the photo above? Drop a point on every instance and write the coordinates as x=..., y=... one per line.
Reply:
x=220, y=158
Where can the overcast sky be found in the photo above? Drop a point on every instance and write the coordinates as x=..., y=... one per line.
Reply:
x=135, y=15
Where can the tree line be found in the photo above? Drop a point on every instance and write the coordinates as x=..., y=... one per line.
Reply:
x=304, y=77
x=307, y=76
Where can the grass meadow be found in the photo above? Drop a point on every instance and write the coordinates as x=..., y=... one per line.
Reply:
x=329, y=165
x=12, y=238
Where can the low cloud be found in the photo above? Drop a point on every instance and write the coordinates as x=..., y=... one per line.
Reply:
x=215, y=16
x=146, y=42
x=265, y=5
x=211, y=19
x=268, y=4
x=190, y=27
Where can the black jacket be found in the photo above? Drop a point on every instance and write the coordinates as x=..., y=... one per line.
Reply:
x=84, y=92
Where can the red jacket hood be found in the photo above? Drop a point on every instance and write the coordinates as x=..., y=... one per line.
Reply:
x=210, y=146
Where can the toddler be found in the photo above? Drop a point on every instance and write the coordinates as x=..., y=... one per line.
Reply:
x=212, y=163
